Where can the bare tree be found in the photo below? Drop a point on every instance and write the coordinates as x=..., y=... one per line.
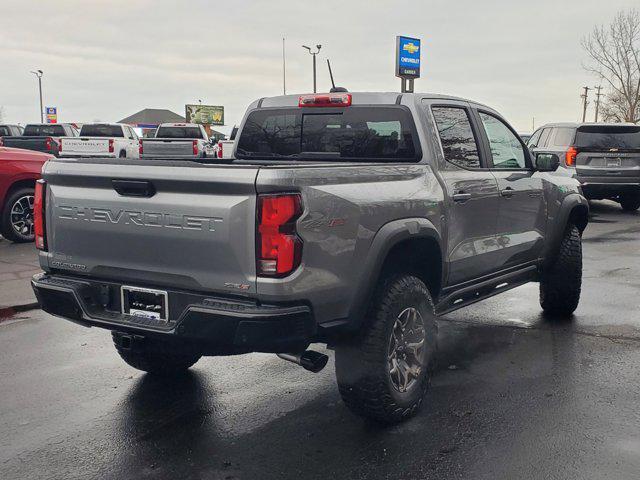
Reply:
x=615, y=58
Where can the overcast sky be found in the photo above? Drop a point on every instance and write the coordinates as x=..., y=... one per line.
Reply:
x=104, y=60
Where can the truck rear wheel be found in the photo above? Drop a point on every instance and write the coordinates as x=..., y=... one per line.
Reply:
x=560, y=285
x=16, y=222
x=630, y=202
x=147, y=357
x=384, y=373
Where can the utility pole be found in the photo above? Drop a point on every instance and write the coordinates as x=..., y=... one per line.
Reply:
x=584, y=97
x=598, y=95
x=314, y=63
x=533, y=124
x=39, y=73
x=284, y=71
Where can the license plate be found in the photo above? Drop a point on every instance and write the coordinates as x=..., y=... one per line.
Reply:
x=614, y=162
x=145, y=302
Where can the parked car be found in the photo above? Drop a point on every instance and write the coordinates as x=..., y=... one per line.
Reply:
x=19, y=170
x=604, y=157
x=525, y=137
x=7, y=130
x=176, y=140
x=41, y=137
x=102, y=140
x=347, y=219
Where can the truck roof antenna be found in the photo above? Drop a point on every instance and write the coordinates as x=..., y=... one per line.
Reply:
x=334, y=89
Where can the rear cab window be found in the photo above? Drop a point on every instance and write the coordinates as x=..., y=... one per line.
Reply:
x=179, y=132
x=101, y=131
x=606, y=137
x=44, y=131
x=355, y=133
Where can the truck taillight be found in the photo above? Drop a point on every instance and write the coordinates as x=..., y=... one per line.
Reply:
x=1, y=142
x=220, y=149
x=140, y=147
x=279, y=249
x=325, y=100
x=111, y=149
x=570, y=157
x=48, y=142
x=59, y=145
x=38, y=215
x=195, y=147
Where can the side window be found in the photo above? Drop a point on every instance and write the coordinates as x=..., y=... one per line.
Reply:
x=459, y=144
x=562, y=137
x=506, y=149
x=533, y=141
x=544, y=137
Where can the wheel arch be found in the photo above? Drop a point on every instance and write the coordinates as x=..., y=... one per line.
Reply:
x=17, y=185
x=573, y=210
x=408, y=245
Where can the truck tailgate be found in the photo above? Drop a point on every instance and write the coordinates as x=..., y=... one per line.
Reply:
x=166, y=147
x=194, y=230
x=84, y=145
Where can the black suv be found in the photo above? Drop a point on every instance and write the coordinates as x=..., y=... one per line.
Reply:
x=605, y=157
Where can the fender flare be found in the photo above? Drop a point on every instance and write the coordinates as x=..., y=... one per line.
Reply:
x=387, y=237
x=567, y=208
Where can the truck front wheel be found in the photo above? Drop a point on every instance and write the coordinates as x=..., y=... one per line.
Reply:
x=384, y=373
x=561, y=283
x=144, y=355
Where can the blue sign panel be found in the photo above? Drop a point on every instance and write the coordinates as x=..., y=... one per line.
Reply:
x=408, y=52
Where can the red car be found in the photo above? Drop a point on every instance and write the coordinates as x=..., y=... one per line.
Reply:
x=19, y=170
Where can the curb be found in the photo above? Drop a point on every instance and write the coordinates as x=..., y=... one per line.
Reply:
x=6, y=312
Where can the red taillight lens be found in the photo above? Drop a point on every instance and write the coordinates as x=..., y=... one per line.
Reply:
x=140, y=147
x=219, y=149
x=111, y=149
x=570, y=157
x=325, y=100
x=195, y=147
x=59, y=145
x=279, y=248
x=38, y=215
x=47, y=143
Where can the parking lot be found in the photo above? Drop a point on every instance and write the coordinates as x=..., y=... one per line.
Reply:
x=515, y=395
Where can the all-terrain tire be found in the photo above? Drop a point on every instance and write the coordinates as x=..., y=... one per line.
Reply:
x=147, y=358
x=362, y=363
x=561, y=283
x=630, y=202
x=6, y=227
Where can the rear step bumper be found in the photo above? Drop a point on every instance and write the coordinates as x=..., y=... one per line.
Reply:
x=216, y=326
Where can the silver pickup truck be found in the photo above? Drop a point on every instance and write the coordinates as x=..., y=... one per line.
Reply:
x=352, y=220
x=176, y=140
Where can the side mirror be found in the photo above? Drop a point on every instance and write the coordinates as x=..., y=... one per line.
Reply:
x=547, y=162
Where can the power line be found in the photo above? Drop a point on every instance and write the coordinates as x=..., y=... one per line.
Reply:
x=585, y=102
x=598, y=95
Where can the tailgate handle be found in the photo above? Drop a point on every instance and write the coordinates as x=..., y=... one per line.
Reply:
x=134, y=188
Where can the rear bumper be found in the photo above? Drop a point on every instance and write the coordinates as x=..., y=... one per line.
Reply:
x=212, y=325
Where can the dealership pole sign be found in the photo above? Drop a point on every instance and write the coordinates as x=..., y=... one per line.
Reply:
x=52, y=114
x=408, y=54
x=204, y=114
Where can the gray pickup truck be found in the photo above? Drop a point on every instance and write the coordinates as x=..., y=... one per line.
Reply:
x=352, y=220
x=176, y=141
x=41, y=137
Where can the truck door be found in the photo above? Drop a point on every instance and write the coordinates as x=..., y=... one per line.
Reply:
x=471, y=197
x=522, y=214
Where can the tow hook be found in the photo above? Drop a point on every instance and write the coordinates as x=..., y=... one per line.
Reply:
x=309, y=360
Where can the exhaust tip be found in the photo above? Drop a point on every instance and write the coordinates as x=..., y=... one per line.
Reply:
x=309, y=360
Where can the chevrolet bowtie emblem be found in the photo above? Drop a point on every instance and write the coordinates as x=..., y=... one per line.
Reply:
x=411, y=47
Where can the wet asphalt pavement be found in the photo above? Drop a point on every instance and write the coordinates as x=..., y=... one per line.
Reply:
x=515, y=396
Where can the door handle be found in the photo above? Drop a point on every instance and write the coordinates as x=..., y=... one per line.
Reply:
x=507, y=192
x=461, y=197
x=134, y=188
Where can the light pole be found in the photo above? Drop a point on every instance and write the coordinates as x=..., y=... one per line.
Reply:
x=38, y=73
x=313, y=54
